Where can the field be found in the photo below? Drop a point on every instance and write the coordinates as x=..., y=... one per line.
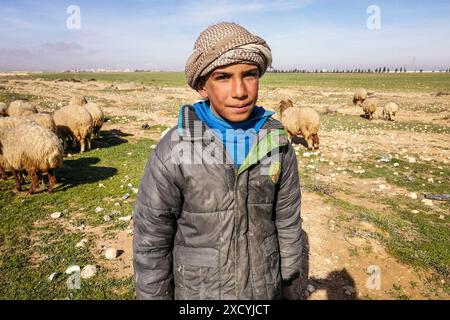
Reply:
x=362, y=192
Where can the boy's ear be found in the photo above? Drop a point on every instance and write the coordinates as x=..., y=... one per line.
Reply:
x=201, y=88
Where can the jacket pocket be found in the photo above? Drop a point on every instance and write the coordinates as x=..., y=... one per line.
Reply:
x=272, y=260
x=196, y=273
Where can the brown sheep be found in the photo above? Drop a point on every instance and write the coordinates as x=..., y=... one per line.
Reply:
x=300, y=121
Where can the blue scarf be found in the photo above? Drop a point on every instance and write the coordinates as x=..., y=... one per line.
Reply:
x=237, y=137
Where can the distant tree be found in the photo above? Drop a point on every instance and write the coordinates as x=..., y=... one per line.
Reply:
x=404, y=69
x=384, y=69
x=396, y=70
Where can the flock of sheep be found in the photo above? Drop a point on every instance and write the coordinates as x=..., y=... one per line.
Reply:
x=369, y=105
x=306, y=121
x=34, y=143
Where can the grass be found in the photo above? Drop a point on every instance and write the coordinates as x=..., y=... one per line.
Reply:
x=420, y=240
x=428, y=82
x=33, y=246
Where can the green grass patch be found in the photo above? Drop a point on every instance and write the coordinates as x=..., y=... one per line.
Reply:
x=33, y=246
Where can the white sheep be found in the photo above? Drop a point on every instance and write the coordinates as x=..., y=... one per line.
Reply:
x=300, y=121
x=8, y=123
x=43, y=119
x=389, y=110
x=95, y=111
x=74, y=122
x=78, y=100
x=97, y=117
x=21, y=108
x=32, y=148
x=359, y=96
x=369, y=107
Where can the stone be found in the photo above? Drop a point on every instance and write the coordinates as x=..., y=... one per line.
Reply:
x=53, y=276
x=412, y=195
x=111, y=253
x=135, y=190
x=427, y=202
x=106, y=218
x=310, y=288
x=126, y=219
x=415, y=211
x=88, y=271
x=72, y=269
x=82, y=243
x=55, y=215
x=99, y=209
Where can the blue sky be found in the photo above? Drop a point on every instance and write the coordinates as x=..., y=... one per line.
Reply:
x=306, y=34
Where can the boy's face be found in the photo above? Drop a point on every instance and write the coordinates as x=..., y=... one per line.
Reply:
x=232, y=91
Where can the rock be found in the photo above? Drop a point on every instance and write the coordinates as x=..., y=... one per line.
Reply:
x=117, y=204
x=129, y=185
x=111, y=253
x=88, y=271
x=69, y=155
x=129, y=154
x=415, y=211
x=412, y=195
x=99, y=209
x=306, y=154
x=396, y=164
x=310, y=288
x=82, y=243
x=411, y=159
x=126, y=219
x=153, y=146
x=430, y=180
x=381, y=187
x=106, y=218
x=55, y=215
x=427, y=202
x=135, y=190
x=441, y=217
x=53, y=276
x=101, y=185
x=145, y=126
x=72, y=269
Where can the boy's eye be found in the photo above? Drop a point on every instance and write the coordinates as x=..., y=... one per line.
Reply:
x=253, y=74
x=221, y=77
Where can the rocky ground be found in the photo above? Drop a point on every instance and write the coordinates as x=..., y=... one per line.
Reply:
x=351, y=186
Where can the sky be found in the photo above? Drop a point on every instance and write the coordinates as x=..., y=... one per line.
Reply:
x=159, y=35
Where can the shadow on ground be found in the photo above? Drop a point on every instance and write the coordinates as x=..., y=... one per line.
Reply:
x=81, y=171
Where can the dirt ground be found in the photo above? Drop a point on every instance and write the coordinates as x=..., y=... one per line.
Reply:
x=337, y=264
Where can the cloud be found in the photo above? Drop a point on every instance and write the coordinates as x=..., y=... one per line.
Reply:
x=61, y=46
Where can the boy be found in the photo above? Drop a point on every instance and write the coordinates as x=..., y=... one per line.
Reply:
x=218, y=208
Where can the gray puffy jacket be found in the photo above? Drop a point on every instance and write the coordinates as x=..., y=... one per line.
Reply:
x=204, y=229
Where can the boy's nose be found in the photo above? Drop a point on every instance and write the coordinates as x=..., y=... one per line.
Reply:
x=238, y=89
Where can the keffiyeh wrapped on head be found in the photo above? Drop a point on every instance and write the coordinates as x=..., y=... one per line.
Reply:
x=224, y=44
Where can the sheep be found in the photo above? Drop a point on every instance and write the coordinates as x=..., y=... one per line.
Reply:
x=32, y=148
x=369, y=106
x=389, y=110
x=75, y=122
x=95, y=111
x=7, y=124
x=359, y=96
x=21, y=108
x=78, y=100
x=97, y=117
x=300, y=121
x=44, y=120
x=3, y=109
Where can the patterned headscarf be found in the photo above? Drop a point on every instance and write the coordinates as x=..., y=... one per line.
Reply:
x=223, y=44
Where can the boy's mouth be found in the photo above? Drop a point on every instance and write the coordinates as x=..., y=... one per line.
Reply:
x=241, y=108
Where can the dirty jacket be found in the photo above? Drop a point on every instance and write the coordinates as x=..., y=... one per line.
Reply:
x=204, y=229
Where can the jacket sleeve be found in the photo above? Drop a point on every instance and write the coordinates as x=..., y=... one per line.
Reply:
x=287, y=218
x=159, y=201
